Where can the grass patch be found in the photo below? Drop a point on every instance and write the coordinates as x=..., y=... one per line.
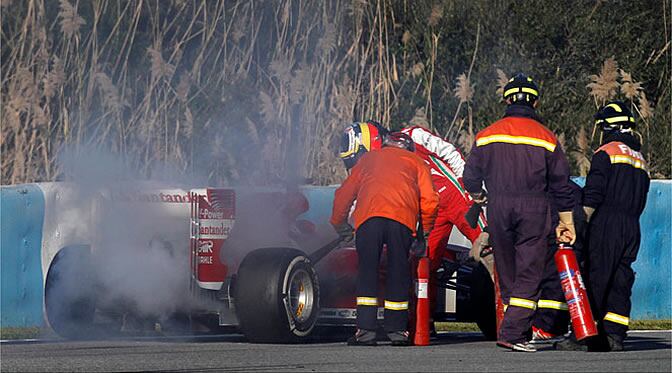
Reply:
x=634, y=325
x=651, y=325
x=35, y=332
x=456, y=327
x=21, y=333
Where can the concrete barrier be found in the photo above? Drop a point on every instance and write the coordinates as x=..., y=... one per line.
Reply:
x=36, y=220
x=652, y=292
x=21, y=220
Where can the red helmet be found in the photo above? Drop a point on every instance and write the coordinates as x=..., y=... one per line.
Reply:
x=359, y=138
x=399, y=140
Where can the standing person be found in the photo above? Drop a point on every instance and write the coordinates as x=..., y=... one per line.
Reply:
x=392, y=187
x=521, y=163
x=446, y=165
x=613, y=199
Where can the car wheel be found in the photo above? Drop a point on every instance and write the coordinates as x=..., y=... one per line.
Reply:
x=483, y=302
x=276, y=296
x=70, y=300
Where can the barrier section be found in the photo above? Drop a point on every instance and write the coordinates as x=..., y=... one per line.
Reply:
x=652, y=292
x=29, y=239
x=21, y=217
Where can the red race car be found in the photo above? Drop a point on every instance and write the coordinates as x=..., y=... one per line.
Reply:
x=264, y=261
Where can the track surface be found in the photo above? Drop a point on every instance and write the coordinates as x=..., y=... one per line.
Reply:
x=646, y=352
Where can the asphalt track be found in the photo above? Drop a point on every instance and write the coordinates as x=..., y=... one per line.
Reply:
x=646, y=352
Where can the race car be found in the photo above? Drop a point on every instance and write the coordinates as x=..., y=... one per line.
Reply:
x=264, y=261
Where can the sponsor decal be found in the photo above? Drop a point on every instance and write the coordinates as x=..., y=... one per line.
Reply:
x=215, y=216
x=159, y=197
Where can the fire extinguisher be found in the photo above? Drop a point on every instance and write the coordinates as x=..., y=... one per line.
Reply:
x=583, y=323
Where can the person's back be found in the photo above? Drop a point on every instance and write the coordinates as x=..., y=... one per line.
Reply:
x=387, y=185
x=528, y=165
x=627, y=179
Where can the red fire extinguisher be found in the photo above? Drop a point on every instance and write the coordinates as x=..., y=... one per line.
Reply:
x=575, y=293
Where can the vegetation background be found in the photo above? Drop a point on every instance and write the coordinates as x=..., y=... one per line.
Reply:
x=258, y=92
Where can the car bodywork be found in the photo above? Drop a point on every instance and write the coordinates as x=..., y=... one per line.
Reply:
x=160, y=252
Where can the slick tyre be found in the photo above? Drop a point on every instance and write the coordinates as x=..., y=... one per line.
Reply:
x=483, y=302
x=70, y=300
x=276, y=296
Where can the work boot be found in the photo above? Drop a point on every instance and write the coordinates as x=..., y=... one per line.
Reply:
x=399, y=338
x=363, y=337
x=570, y=344
x=540, y=336
x=615, y=343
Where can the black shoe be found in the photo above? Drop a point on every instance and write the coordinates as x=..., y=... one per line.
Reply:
x=570, y=344
x=363, y=337
x=400, y=338
x=615, y=343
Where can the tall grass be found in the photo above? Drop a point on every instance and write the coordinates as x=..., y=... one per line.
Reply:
x=247, y=91
x=237, y=91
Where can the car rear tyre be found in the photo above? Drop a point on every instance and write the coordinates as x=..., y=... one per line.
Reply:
x=70, y=300
x=483, y=302
x=277, y=296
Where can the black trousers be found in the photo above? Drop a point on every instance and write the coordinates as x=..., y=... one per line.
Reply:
x=370, y=238
x=613, y=244
x=519, y=227
x=552, y=313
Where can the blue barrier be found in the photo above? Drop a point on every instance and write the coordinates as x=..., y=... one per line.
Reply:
x=21, y=218
x=652, y=292
x=21, y=229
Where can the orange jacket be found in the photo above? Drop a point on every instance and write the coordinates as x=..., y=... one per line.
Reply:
x=391, y=183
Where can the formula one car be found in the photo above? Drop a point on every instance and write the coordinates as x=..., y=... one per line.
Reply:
x=263, y=261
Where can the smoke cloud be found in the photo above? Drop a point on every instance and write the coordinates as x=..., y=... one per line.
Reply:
x=140, y=262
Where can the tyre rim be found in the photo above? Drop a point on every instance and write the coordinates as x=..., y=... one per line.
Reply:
x=301, y=295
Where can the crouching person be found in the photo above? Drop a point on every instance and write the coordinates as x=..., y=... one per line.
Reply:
x=393, y=188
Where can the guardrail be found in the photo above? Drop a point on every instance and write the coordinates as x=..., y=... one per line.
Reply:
x=32, y=226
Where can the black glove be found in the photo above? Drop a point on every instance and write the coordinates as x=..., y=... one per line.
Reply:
x=345, y=231
x=481, y=197
x=419, y=245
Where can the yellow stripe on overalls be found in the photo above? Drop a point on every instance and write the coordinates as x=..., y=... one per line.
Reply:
x=516, y=140
x=396, y=306
x=547, y=303
x=367, y=301
x=524, y=303
x=626, y=159
x=618, y=319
